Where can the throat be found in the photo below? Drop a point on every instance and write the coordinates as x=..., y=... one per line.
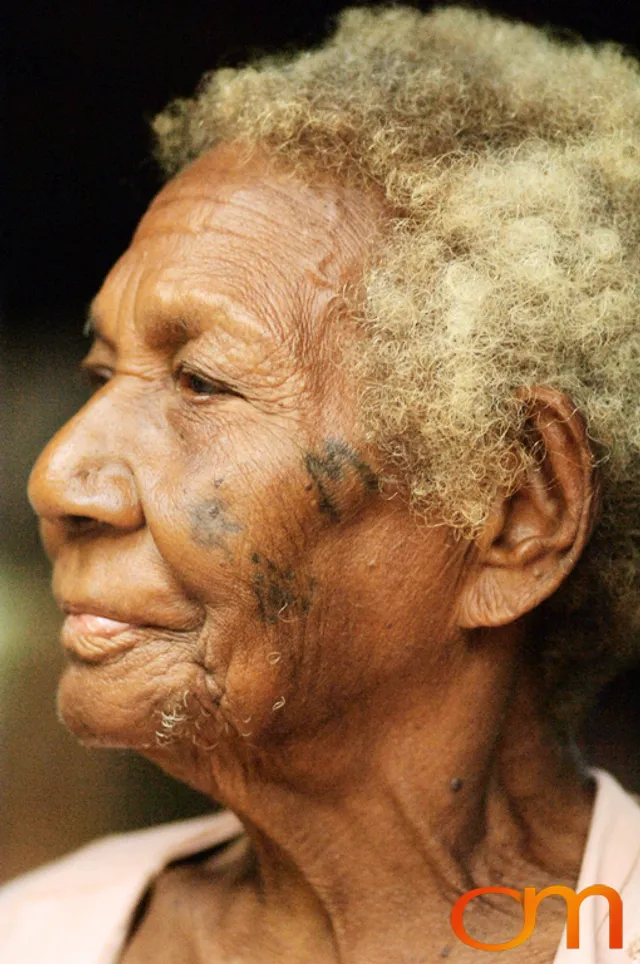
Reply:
x=360, y=848
x=372, y=874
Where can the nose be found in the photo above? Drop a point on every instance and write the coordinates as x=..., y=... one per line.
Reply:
x=82, y=482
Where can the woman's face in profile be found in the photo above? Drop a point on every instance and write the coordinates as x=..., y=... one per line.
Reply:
x=228, y=566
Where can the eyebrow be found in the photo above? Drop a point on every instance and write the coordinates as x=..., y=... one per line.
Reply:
x=175, y=326
x=168, y=332
x=165, y=330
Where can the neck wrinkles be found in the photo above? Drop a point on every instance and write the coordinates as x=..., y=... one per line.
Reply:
x=468, y=790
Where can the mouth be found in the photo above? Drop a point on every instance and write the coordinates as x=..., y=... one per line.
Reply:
x=94, y=630
x=91, y=637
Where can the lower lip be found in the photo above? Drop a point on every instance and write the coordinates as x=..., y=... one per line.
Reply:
x=92, y=638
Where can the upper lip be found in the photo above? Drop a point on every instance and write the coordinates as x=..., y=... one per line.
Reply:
x=108, y=588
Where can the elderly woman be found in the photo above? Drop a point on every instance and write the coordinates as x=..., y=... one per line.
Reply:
x=347, y=537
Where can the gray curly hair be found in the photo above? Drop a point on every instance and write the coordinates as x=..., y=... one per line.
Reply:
x=510, y=162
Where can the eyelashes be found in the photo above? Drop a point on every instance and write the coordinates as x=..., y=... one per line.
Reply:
x=189, y=382
x=95, y=376
x=195, y=385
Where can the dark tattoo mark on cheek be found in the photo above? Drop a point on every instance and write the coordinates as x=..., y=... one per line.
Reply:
x=210, y=525
x=330, y=468
x=276, y=591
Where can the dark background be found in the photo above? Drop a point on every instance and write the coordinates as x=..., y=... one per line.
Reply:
x=84, y=77
x=81, y=80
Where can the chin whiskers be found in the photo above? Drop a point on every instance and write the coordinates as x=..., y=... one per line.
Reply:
x=173, y=720
x=186, y=719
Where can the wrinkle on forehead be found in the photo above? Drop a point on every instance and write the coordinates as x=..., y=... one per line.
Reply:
x=321, y=217
x=252, y=227
x=270, y=251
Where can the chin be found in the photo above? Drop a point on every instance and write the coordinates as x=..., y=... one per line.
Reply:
x=127, y=700
x=88, y=710
x=120, y=705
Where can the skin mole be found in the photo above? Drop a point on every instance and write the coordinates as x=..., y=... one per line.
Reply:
x=210, y=525
x=331, y=467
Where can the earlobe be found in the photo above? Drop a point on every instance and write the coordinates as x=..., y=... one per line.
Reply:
x=534, y=538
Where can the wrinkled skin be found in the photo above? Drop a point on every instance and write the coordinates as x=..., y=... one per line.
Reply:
x=296, y=643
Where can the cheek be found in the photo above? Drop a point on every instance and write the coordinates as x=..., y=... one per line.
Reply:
x=266, y=545
x=199, y=529
x=383, y=605
x=237, y=523
x=257, y=638
x=235, y=539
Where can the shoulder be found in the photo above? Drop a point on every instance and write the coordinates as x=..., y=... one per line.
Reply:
x=103, y=861
x=80, y=903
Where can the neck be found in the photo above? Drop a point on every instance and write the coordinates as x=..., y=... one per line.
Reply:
x=417, y=803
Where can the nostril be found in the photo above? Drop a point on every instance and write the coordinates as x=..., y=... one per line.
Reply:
x=79, y=523
x=81, y=495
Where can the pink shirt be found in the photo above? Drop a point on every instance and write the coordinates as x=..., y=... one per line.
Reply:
x=77, y=910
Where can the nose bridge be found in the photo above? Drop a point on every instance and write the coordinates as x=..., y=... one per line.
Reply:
x=86, y=471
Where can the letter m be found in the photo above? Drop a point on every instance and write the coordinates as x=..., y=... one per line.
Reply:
x=573, y=901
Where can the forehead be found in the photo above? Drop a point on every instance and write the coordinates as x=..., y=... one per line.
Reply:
x=232, y=235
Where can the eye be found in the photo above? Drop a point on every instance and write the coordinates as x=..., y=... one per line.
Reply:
x=194, y=385
x=96, y=375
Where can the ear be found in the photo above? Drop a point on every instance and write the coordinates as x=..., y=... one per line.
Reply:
x=534, y=538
